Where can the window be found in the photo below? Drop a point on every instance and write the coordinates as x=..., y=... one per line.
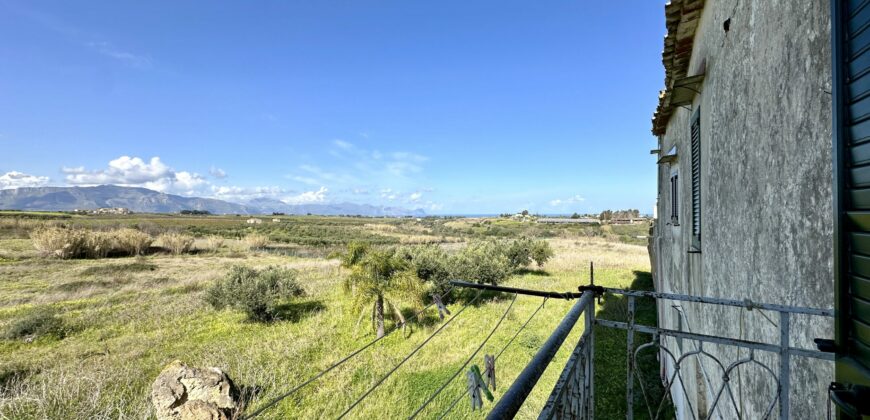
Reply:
x=675, y=199
x=696, y=180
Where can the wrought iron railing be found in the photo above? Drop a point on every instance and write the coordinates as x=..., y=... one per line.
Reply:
x=573, y=396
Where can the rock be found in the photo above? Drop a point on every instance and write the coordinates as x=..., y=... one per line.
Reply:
x=181, y=392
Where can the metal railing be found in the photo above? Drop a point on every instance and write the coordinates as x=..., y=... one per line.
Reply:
x=573, y=396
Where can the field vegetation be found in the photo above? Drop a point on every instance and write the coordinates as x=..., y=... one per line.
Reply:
x=83, y=333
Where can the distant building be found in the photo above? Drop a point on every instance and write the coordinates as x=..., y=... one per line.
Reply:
x=565, y=220
x=105, y=210
x=629, y=221
x=254, y=221
x=276, y=220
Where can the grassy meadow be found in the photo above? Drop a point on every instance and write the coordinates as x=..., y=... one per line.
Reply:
x=125, y=318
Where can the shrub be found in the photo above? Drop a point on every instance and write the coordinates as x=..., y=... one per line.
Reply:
x=214, y=242
x=518, y=252
x=177, y=243
x=98, y=244
x=256, y=292
x=132, y=241
x=37, y=322
x=59, y=242
x=431, y=264
x=481, y=262
x=256, y=240
x=541, y=252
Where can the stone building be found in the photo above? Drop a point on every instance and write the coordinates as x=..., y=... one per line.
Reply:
x=747, y=195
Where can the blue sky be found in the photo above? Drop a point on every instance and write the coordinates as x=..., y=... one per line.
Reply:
x=450, y=106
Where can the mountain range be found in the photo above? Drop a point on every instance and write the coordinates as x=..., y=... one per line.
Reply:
x=143, y=200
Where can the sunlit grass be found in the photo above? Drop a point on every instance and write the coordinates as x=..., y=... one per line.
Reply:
x=130, y=317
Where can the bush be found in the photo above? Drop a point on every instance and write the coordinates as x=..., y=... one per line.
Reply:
x=177, y=243
x=541, y=252
x=37, y=322
x=98, y=244
x=131, y=241
x=431, y=264
x=256, y=240
x=80, y=243
x=256, y=292
x=214, y=242
x=519, y=252
x=59, y=242
x=481, y=262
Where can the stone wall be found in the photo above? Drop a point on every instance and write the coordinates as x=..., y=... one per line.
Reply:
x=766, y=202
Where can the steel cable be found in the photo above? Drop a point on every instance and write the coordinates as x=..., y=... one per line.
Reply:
x=278, y=399
x=467, y=361
x=408, y=357
x=522, y=327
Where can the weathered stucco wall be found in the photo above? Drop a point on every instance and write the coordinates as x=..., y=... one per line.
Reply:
x=766, y=204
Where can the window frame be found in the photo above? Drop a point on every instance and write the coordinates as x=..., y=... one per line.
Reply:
x=675, y=198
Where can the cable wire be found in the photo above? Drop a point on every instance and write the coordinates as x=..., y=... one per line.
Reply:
x=522, y=327
x=467, y=361
x=408, y=357
x=278, y=399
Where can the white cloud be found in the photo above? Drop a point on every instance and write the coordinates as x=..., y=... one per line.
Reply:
x=414, y=197
x=343, y=144
x=571, y=200
x=135, y=172
x=245, y=193
x=308, y=197
x=128, y=58
x=217, y=172
x=389, y=194
x=15, y=179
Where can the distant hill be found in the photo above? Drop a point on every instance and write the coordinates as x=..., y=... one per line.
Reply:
x=143, y=200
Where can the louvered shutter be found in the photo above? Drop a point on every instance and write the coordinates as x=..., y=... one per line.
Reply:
x=696, y=180
x=851, y=104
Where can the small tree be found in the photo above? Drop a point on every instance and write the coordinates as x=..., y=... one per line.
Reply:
x=541, y=252
x=382, y=279
x=256, y=292
x=518, y=252
x=431, y=264
x=481, y=262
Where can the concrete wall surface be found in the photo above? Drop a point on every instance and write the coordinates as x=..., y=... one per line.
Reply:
x=766, y=201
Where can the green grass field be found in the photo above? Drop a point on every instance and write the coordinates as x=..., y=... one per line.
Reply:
x=127, y=318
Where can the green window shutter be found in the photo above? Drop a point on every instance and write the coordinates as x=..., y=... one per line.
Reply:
x=850, y=23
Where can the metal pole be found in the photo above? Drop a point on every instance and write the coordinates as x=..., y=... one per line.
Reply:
x=784, y=365
x=629, y=362
x=516, y=395
x=590, y=360
x=529, y=292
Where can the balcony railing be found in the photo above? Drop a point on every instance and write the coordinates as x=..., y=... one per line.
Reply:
x=573, y=396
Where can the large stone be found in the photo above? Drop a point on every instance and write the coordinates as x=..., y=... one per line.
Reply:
x=181, y=392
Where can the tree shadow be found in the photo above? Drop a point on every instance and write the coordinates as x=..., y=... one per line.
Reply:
x=532, y=272
x=297, y=311
x=428, y=318
x=611, y=356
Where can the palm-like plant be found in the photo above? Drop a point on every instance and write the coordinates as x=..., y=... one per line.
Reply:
x=382, y=279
